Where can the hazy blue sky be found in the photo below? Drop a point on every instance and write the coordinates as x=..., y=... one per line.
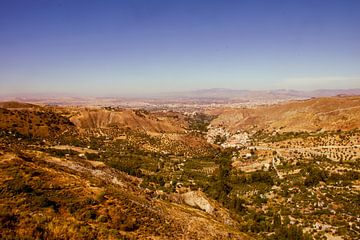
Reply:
x=122, y=47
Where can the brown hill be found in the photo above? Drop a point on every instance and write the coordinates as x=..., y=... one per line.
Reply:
x=33, y=121
x=331, y=113
x=133, y=119
x=53, y=198
x=14, y=105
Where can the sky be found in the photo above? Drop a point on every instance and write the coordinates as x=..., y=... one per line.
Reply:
x=124, y=47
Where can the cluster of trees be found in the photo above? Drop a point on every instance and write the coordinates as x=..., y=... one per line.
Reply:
x=199, y=122
x=272, y=222
x=254, y=177
x=315, y=174
x=129, y=167
x=219, y=139
x=225, y=181
x=287, y=135
x=291, y=232
x=220, y=188
x=61, y=152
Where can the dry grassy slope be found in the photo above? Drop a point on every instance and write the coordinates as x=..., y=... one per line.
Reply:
x=183, y=144
x=33, y=121
x=331, y=113
x=43, y=197
x=135, y=120
x=13, y=104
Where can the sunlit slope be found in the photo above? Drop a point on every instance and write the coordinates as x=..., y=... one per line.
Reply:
x=133, y=119
x=45, y=197
x=309, y=115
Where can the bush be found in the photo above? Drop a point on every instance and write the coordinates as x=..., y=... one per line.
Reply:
x=89, y=214
x=261, y=176
x=44, y=202
x=8, y=220
x=314, y=175
x=290, y=233
x=103, y=218
x=91, y=156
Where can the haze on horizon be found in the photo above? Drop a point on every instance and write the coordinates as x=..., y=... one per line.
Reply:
x=143, y=47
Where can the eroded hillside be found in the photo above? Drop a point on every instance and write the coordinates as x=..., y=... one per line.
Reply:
x=125, y=118
x=325, y=114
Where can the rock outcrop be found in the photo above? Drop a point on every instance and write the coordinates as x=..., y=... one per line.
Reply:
x=199, y=200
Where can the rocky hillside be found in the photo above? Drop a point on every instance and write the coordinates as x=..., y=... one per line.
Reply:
x=325, y=114
x=56, y=198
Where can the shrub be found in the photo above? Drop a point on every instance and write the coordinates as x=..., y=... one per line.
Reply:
x=314, y=175
x=8, y=220
x=290, y=233
x=89, y=214
x=103, y=218
x=44, y=202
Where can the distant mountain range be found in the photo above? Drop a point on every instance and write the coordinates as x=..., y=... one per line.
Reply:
x=202, y=96
x=231, y=94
